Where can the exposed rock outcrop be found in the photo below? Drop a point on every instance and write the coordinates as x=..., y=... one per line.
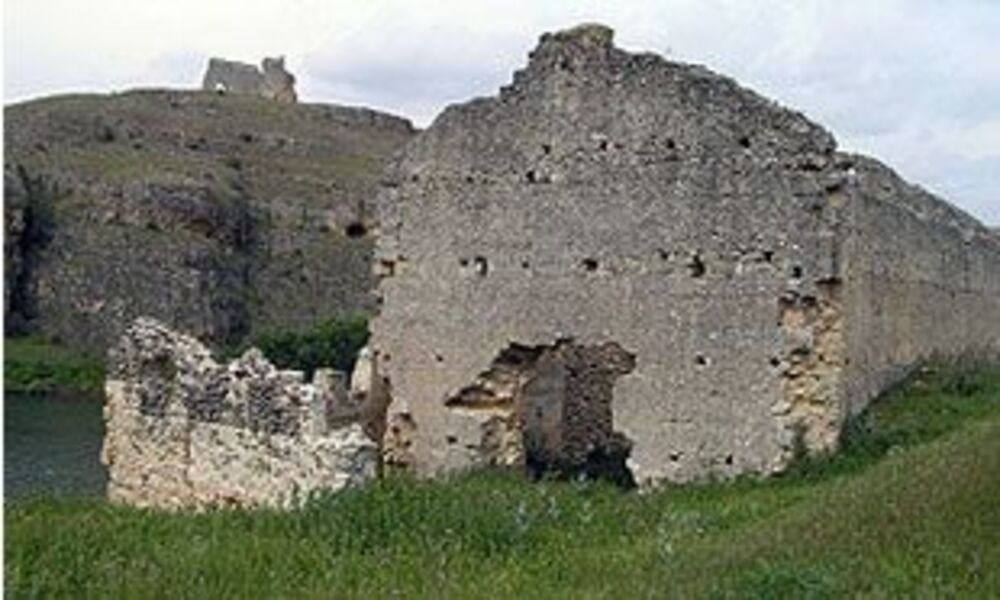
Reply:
x=16, y=214
x=184, y=430
x=219, y=215
x=765, y=284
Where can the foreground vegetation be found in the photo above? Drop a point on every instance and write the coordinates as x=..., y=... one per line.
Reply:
x=908, y=509
x=32, y=365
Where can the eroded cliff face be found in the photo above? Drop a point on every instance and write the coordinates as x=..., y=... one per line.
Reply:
x=18, y=216
x=607, y=198
x=184, y=430
x=220, y=215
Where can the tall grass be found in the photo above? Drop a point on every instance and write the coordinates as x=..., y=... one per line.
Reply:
x=908, y=509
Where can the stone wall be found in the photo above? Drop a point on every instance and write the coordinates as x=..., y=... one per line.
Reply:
x=763, y=283
x=184, y=430
x=271, y=81
x=922, y=281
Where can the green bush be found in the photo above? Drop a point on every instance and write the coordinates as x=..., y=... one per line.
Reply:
x=33, y=365
x=333, y=343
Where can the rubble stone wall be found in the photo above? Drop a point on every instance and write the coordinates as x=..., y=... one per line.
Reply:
x=765, y=283
x=184, y=430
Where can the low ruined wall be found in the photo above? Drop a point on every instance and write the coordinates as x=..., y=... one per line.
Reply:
x=186, y=431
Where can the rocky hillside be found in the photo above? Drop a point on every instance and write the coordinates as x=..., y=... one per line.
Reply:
x=221, y=215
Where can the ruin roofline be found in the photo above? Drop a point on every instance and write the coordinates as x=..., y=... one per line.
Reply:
x=597, y=40
x=594, y=40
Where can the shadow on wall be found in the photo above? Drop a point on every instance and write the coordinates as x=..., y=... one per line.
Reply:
x=549, y=408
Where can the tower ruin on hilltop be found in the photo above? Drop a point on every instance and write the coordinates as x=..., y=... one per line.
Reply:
x=270, y=81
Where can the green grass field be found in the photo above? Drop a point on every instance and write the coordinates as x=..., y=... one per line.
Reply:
x=909, y=508
x=33, y=365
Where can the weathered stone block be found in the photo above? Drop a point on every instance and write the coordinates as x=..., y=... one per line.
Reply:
x=185, y=431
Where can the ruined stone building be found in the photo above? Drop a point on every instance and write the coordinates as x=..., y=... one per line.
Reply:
x=634, y=266
x=271, y=81
x=184, y=430
x=620, y=266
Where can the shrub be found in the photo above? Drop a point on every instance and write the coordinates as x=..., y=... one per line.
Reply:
x=32, y=364
x=333, y=343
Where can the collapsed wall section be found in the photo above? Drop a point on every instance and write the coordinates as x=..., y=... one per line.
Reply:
x=186, y=431
x=549, y=409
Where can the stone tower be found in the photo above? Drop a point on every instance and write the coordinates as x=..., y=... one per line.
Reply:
x=271, y=81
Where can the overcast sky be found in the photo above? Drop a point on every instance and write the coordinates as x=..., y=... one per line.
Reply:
x=915, y=82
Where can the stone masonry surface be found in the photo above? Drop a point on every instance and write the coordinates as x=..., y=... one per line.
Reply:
x=186, y=431
x=648, y=245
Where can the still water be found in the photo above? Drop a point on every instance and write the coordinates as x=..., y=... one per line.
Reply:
x=52, y=445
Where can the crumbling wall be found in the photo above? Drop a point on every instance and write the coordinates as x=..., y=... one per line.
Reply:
x=271, y=81
x=608, y=197
x=923, y=282
x=186, y=431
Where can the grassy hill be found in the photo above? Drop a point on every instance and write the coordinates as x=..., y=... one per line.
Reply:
x=219, y=214
x=907, y=509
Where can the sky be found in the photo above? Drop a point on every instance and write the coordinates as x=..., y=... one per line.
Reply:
x=915, y=83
